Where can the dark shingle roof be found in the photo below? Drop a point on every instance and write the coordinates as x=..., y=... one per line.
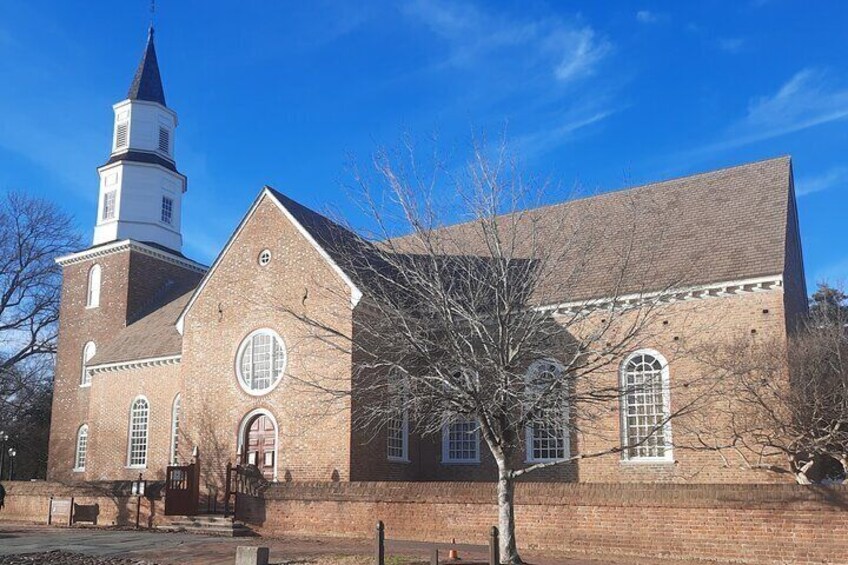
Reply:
x=718, y=226
x=154, y=335
x=147, y=83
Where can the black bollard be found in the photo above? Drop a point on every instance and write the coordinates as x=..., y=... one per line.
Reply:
x=494, y=547
x=380, y=548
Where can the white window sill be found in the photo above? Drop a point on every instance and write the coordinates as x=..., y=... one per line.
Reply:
x=86, y=385
x=534, y=461
x=79, y=469
x=403, y=460
x=465, y=462
x=648, y=461
x=136, y=467
x=92, y=307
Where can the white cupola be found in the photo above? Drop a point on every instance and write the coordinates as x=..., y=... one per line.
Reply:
x=141, y=190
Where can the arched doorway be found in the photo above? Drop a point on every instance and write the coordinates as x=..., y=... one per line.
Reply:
x=258, y=442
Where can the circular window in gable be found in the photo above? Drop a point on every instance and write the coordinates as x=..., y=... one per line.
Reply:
x=264, y=257
x=260, y=362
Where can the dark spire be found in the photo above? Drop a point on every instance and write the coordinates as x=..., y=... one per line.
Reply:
x=147, y=84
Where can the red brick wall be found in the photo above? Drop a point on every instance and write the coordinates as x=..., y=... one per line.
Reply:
x=242, y=296
x=731, y=523
x=29, y=502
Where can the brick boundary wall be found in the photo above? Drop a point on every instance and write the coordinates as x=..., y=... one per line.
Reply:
x=29, y=502
x=774, y=524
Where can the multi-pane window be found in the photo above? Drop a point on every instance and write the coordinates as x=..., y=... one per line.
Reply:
x=546, y=396
x=164, y=140
x=167, y=209
x=109, y=205
x=645, y=410
x=121, y=134
x=82, y=448
x=139, y=419
x=261, y=360
x=398, y=425
x=175, y=430
x=461, y=441
x=87, y=354
x=92, y=299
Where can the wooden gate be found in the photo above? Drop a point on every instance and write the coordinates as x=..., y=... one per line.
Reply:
x=182, y=490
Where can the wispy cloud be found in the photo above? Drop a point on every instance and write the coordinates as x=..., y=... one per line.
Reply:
x=569, y=50
x=730, y=44
x=649, y=17
x=547, y=139
x=832, y=178
x=810, y=98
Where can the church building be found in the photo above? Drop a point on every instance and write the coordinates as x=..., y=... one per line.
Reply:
x=160, y=357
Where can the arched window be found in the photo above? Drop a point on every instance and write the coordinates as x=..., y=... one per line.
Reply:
x=175, y=430
x=546, y=393
x=139, y=419
x=82, y=448
x=646, y=430
x=397, y=427
x=87, y=354
x=260, y=362
x=93, y=295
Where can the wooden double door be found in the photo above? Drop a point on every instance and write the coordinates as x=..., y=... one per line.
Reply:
x=260, y=445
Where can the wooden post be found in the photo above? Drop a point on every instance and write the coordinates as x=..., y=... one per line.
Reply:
x=434, y=557
x=380, y=546
x=50, y=511
x=227, y=486
x=494, y=547
x=71, y=513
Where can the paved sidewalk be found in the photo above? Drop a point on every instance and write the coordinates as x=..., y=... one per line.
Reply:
x=190, y=549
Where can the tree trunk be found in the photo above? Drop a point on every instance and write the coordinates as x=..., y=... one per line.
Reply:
x=506, y=518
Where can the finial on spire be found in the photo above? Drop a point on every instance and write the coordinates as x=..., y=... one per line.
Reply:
x=152, y=14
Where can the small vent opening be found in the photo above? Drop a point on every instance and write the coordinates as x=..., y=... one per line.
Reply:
x=121, y=135
x=164, y=140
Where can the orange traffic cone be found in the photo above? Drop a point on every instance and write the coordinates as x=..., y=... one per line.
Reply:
x=453, y=554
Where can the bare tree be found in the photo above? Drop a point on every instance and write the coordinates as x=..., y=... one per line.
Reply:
x=789, y=412
x=33, y=232
x=494, y=325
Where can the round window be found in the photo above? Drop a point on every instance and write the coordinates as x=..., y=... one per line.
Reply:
x=260, y=362
x=265, y=257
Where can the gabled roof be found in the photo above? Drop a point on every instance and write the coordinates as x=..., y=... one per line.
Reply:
x=147, y=83
x=720, y=226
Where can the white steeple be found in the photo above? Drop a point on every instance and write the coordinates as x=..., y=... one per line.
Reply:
x=141, y=190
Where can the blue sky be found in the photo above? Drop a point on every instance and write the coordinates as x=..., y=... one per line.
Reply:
x=600, y=94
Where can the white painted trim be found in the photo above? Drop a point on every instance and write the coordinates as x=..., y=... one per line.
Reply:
x=528, y=429
x=243, y=429
x=135, y=364
x=129, y=244
x=176, y=408
x=77, y=468
x=716, y=289
x=666, y=382
x=355, y=293
x=240, y=352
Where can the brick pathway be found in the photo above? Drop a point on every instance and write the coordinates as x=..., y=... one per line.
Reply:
x=191, y=549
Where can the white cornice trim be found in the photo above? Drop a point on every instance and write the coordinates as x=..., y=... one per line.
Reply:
x=710, y=290
x=129, y=244
x=134, y=364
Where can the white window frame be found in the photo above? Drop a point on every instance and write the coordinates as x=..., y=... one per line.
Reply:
x=167, y=205
x=529, y=431
x=81, y=448
x=394, y=389
x=446, y=458
x=130, y=463
x=89, y=350
x=95, y=281
x=175, y=429
x=668, y=455
x=109, y=213
x=238, y=368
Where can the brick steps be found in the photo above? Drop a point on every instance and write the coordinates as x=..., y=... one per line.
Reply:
x=208, y=524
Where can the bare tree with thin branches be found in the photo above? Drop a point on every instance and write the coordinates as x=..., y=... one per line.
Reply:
x=515, y=318
x=789, y=412
x=33, y=232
